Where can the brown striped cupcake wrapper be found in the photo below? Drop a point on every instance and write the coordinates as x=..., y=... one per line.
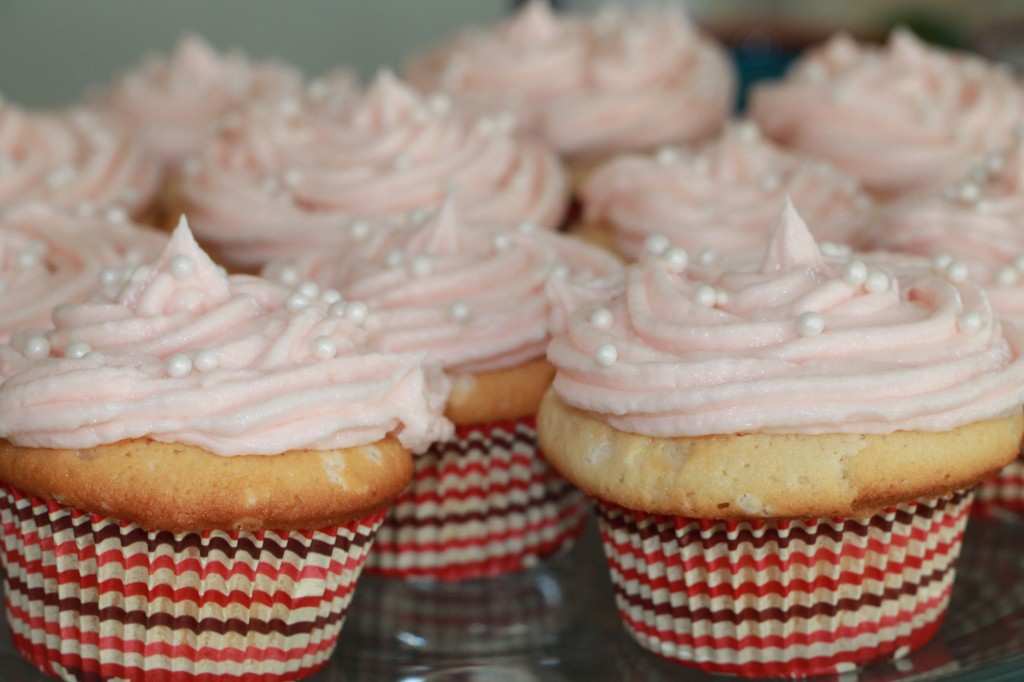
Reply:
x=90, y=597
x=482, y=504
x=1001, y=498
x=784, y=597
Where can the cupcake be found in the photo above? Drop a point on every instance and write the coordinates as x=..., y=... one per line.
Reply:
x=49, y=256
x=282, y=180
x=974, y=229
x=782, y=468
x=721, y=195
x=480, y=304
x=192, y=472
x=623, y=80
x=74, y=159
x=901, y=118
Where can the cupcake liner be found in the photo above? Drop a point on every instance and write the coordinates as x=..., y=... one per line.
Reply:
x=90, y=597
x=1001, y=498
x=481, y=504
x=784, y=597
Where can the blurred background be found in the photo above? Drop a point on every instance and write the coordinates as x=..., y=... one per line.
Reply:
x=52, y=52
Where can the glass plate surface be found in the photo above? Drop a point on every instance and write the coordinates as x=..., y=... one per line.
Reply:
x=558, y=623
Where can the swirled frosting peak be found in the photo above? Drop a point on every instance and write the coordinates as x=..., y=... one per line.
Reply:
x=473, y=299
x=184, y=353
x=722, y=195
x=902, y=118
x=799, y=342
x=279, y=182
x=621, y=80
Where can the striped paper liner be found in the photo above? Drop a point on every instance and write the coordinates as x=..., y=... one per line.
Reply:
x=1001, y=498
x=482, y=504
x=90, y=597
x=784, y=597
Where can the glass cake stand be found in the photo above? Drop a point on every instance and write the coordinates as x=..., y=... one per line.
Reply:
x=558, y=623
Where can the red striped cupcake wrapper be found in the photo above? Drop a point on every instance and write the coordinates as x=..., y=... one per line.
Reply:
x=784, y=598
x=482, y=504
x=1001, y=498
x=90, y=597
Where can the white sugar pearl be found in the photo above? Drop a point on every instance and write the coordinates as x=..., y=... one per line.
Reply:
x=957, y=271
x=810, y=324
x=117, y=215
x=502, y=241
x=291, y=177
x=309, y=289
x=707, y=256
x=705, y=295
x=356, y=311
x=460, y=311
x=527, y=226
x=76, y=350
x=421, y=265
x=60, y=176
x=296, y=302
x=770, y=181
x=393, y=258
x=27, y=259
x=133, y=257
x=855, y=273
x=182, y=266
x=560, y=271
x=96, y=357
x=178, y=365
x=877, y=282
x=969, y=322
x=606, y=355
x=401, y=162
x=941, y=261
x=656, y=244
x=748, y=131
x=206, y=359
x=37, y=347
x=983, y=206
x=109, y=276
x=676, y=259
x=721, y=297
x=359, y=229
x=834, y=249
x=288, y=276
x=1007, y=276
x=969, y=192
x=602, y=318
x=441, y=104
x=330, y=296
x=337, y=309
x=324, y=348
x=667, y=156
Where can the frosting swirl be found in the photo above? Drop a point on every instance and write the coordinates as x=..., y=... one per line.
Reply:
x=48, y=257
x=800, y=344
x=975, y=227
x=722, y=195
x=903, y=118
x=622, y=80
x=237, y=365
x=175, y=102
x=475, y=300
x=71, y=159
x=283, y=182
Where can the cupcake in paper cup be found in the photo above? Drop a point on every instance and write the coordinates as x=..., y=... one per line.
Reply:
x=782, y=454
x=481, y=303
x=973, y=228
x=193, y=469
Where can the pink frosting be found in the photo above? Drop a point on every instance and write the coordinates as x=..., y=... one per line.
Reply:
x=722, y=195
x=903, y=118
x=977, y=224
x=619, y=81
x=237, y=365
x=798, y=343
x=279, y=182
x=473, y=299
x=72, y=159
x=49, y=256
x=175, y=102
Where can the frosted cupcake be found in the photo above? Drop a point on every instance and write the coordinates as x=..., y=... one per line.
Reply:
x=722, y=196
x=49, y=256
x=590, y=86
x=74, y=159
x=974, y=229
x=193, y=470
x=481, y=305
x=782, y=457
x=278, y=182
x=901, y=118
